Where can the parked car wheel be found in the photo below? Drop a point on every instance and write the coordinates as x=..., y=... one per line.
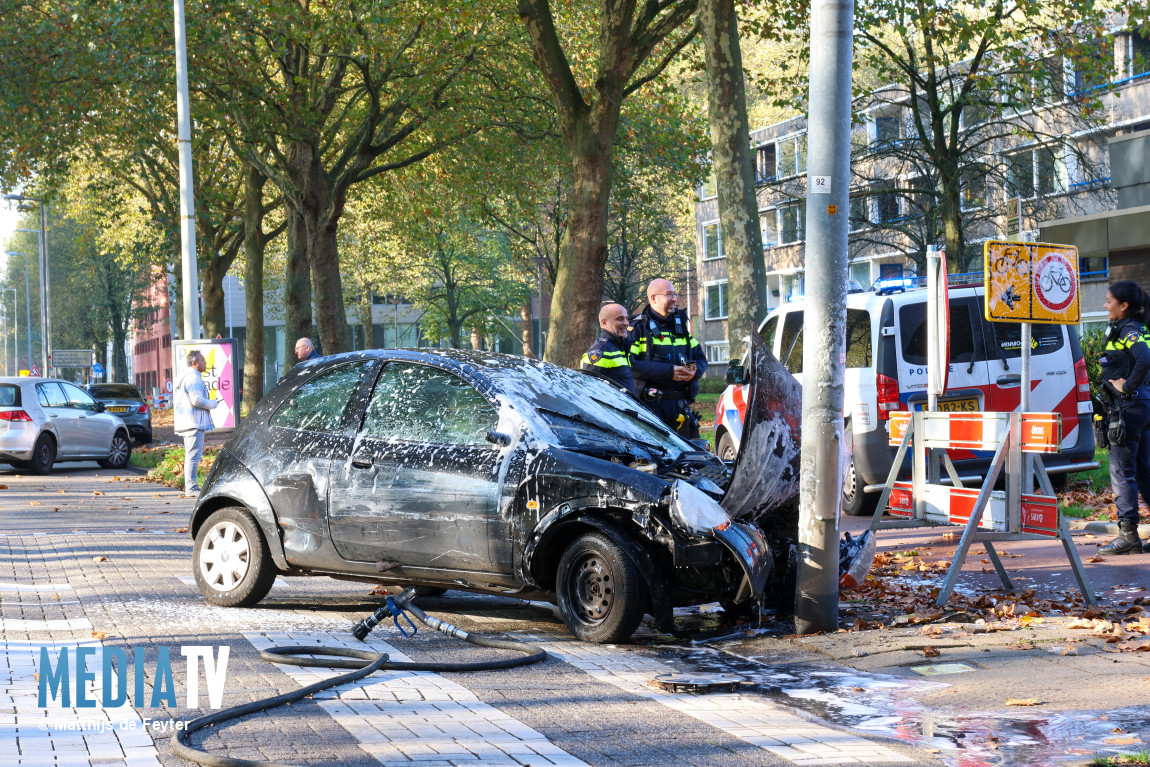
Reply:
x=601, y=594
x=429, y=591
x=726, y=448
x=856, y=503
x=43, y=455
x=119, y=453
x=231, y=561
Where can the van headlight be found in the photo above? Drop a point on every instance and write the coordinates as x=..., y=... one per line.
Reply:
x=694, y=511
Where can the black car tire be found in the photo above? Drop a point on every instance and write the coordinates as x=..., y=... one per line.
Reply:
x=429, y=591
x=725, y=449
x=230, y=559
x=856, y=503
x=601, y=593
x=118, y=453
x=43, y=455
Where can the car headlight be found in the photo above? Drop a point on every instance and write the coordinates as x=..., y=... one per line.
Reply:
x=695, y=511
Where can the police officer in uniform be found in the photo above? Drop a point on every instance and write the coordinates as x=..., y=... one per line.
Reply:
x=610, y=356
x=1126, y=377
x=666, y=359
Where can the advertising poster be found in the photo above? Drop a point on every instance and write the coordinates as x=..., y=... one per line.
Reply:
x=220, y=376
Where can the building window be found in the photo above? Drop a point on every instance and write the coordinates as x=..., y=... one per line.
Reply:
x=718, y=352
x=859, y=212
x=1094, y=267
x=887, y=205
x=973, y=191
x=768, y=226
x=1094, y=67
x=709, y=188
x=792, y=154
x=1139, y=61
x=766, y=169
x=1035, y=172
x=716, y=301
x=1049, y=81
x=859, y=141
x=712, y=242
x=792, y=223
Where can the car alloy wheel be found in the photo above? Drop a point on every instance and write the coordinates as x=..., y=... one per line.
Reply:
x=726, y=448
x=230, y=560
x=119, y=453
x=601, y=594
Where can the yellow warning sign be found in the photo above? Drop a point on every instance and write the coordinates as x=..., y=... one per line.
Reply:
x=1031, y=282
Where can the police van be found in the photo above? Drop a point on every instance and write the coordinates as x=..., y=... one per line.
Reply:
x=886, y=370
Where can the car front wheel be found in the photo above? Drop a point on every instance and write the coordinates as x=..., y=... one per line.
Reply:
x=726, y=448
x=43, y=455
x=230, y=560
x=601, y=594
x=119, y=453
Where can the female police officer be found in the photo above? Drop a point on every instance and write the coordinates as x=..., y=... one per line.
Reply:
x=1126, y=368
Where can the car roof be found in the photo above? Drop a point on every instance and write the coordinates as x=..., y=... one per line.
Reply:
x=33, y=379
x=871, y=300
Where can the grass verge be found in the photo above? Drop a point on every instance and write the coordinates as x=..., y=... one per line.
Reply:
x=166, y=464
x=1141, y=757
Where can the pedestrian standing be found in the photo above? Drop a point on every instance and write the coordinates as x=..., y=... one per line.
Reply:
x=305, y=350
x=610, y=355
x=1126, y=377
x=193, y=417
x=666, y=360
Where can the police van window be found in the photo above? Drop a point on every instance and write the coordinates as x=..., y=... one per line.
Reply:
x=768, y=332
x=320, y=403
x=912, y=330
x=1044, y=339
x=791, y=351
x=858, y=338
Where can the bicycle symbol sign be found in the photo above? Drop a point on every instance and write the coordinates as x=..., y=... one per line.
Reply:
x=1031, y=282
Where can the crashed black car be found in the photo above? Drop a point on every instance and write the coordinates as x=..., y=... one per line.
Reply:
x=475, y=471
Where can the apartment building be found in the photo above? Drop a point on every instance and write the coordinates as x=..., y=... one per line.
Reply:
x=1053, y=181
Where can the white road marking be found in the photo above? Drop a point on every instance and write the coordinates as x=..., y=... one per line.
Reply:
x=403, y=716
x=35, y=587
x=747, y=717
x=71, y=624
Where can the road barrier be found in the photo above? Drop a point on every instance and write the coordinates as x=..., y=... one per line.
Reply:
x=988, y=515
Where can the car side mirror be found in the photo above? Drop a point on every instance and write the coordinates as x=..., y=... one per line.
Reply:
x=702, y=444
x=100, y=407
x=498, y=438
x=737, y=374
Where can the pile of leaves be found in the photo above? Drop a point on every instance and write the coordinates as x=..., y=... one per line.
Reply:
x=902, y=587
x=169, y=468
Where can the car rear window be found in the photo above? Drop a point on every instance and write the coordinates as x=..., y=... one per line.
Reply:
x=912, y=329
x=116, y=391
x=9, y=395
x=858, y=338
x=320, y=403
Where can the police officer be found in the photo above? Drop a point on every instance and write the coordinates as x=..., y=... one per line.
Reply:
x=1126, y=377
x=666, y=359
x=610, y=356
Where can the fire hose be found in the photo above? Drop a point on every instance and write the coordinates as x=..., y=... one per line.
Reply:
x=363, y=662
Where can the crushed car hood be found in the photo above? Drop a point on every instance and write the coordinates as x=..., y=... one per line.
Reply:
x=765, y=474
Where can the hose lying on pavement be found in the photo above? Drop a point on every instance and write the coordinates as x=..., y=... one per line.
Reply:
x=364, y=663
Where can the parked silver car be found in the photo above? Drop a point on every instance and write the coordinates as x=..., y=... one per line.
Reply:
x=45, y=420
x=125, y=401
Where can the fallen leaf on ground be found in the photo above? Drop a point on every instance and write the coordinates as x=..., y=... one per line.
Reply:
x=1096, y=558
x=930, y=652
x=97, y=492
x=99, y=635
x=99, y=559
x=181, y=529
x=1022, y=701
x=33, y=503
x=1070, y=649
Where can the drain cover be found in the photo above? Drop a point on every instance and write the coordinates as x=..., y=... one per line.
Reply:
x=697, y=683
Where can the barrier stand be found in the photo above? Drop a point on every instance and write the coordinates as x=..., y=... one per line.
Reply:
x=988, y=515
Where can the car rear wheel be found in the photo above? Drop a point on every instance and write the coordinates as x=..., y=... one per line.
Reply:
x=119, y=453
x=231, y=561
x=601, y=594
x=43, y=455
x=856, y=503
x=726, y=448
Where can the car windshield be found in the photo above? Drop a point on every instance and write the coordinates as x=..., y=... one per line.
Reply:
x=585, y=412
x=118, y=391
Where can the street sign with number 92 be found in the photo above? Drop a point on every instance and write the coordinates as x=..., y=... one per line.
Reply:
x=1031, y=282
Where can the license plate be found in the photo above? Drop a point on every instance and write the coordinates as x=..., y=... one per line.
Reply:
x=117, y=410
x=969, y=405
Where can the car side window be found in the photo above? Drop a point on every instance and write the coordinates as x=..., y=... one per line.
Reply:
x=791, y=351
x=768, y=332
x=50, y=395
x=858, y=338
x=1044, y=339
x=424, y=404
x=78, y=398
x=319, y=404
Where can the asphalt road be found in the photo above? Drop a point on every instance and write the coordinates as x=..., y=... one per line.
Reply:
x=99, y=558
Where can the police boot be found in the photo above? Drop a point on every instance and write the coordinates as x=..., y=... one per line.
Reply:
x=1127, y=541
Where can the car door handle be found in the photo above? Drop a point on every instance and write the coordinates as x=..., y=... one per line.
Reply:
x=53, y=415
x=361, y=461
x=1009, y=380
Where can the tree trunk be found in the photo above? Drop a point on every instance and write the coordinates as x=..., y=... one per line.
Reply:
x=119, y=372
x=456, y=330
x=951, y=215
x=583, y=254
x=476, y=337
x=213, y=292
x=297, y=284
x=526, y=330
x=254, y=244
x=327, y=287
x=734, y=172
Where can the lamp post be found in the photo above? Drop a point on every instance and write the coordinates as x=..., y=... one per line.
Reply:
x=27, y=296
x=45, y=326
x=15, y=332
